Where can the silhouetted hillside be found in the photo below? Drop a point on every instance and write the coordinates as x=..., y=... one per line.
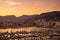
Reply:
x=8, y=18
x=55, y=15
x=49, y=19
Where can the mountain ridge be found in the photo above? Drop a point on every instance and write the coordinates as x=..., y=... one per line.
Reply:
x=54, y=15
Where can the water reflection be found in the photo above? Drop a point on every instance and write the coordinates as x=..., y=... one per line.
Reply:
x=9, y=30
x=31, y=33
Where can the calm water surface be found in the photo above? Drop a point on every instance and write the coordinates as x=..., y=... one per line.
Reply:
x=19, y=29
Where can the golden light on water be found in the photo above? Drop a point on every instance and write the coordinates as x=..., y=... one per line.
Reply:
x=9, y=30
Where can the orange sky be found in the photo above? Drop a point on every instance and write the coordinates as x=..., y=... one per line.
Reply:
x=27, y=7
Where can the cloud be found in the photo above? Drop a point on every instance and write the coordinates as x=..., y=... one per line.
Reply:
x=9, y=2
x=30, y=2
x=13, y=3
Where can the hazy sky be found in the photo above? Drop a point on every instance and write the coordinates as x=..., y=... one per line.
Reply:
x=27, y=7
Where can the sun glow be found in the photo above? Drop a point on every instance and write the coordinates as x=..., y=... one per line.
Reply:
x=25, y=7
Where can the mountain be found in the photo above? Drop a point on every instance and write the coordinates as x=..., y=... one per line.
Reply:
x=55, y=15
x=12, y=18
x=50, y=19
x=26, y=17
x=8, y=18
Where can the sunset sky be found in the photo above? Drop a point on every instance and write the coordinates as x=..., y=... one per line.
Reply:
x=28, y=7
